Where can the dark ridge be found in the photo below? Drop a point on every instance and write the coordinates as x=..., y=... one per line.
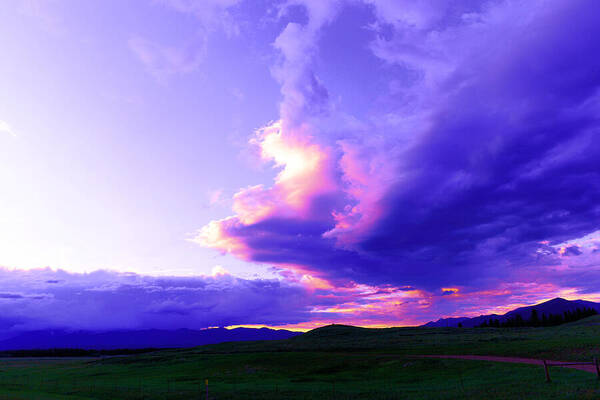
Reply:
x=557, y=306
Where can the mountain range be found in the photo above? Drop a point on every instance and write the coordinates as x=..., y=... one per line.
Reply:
x=157, y=338
x=554, y=306
x=137, y=339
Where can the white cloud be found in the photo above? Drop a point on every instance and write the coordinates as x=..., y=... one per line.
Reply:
x=164, y=61
x=212, y=14
x=6, y=128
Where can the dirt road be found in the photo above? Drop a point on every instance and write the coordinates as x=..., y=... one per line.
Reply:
x=587, y=368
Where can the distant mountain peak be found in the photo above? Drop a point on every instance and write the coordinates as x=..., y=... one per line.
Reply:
x=557, y=305
x=557, y=300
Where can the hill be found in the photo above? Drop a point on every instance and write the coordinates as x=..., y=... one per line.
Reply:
x=554, y=306
x=137, y=339
x=335, y=361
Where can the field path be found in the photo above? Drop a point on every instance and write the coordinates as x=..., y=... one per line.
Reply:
x=587, y=368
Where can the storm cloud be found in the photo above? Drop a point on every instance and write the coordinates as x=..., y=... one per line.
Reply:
x=103, y=300
x=482, y=153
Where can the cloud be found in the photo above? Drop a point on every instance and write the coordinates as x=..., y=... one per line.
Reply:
x=45, y=12
x=215, y=197
x=6, y=128
x=571, y=251
x=101, y=300
x=212, y=14
x=163, y=61
x=105, y=300
x=488, y=150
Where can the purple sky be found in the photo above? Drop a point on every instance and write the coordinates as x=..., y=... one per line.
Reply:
x=194, y=163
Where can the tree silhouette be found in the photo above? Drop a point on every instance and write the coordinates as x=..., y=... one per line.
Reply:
x=535, y=321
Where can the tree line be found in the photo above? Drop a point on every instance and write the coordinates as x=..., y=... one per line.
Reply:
x=535, y=320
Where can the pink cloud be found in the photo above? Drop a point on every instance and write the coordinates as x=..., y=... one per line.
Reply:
x=461, y=192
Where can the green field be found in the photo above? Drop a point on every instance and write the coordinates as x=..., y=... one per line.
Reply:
x=335, y=362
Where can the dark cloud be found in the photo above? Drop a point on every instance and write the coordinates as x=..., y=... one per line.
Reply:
x=572, y=251
x=509, y=158
x=501, y=163
x=10, y=296
x=109, y=300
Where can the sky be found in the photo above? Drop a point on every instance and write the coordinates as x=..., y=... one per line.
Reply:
x=295, y=163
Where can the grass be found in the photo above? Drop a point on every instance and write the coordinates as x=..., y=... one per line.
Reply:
x=577, y=341
x=335, y=362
